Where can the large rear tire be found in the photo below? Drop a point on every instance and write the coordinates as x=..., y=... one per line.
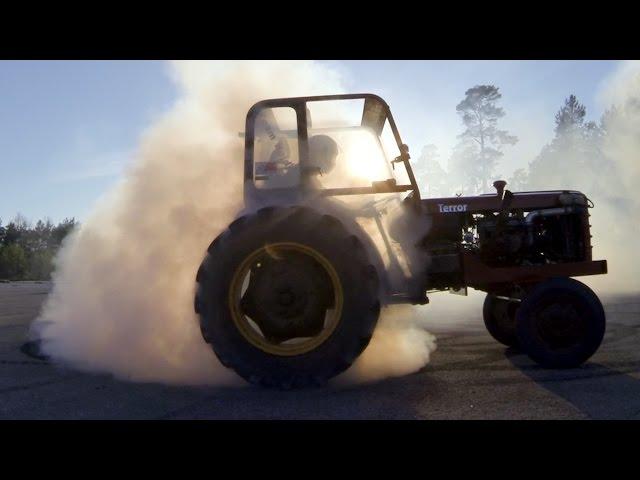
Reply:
x=560, y=323
x=287, y=297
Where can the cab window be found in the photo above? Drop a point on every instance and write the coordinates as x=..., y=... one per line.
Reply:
x=276, y=153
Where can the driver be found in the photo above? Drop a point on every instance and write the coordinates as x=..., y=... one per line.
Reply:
x=323, y=151
x=280, y=170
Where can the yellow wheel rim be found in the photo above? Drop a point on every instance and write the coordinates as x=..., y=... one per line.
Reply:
x=249, y=330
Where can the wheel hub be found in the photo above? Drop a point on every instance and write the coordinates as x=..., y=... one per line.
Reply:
x=560, y=325
x=287, y=296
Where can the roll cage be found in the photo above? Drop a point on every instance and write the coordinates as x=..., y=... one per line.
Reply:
x=374, y=115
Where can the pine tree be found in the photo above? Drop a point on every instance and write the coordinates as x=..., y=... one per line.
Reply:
x=482, y=141
x=431, y=176
x=570, y=116
x=574, y=158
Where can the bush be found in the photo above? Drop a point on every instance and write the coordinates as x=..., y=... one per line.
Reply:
x=26, y=253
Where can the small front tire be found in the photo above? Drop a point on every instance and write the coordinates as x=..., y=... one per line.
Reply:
x=560, y=323
x=500, y=319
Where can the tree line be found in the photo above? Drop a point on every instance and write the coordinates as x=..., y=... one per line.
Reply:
x=27, y=251
x=575, y=157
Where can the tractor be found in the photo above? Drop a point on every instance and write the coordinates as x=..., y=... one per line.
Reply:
x=334, y=229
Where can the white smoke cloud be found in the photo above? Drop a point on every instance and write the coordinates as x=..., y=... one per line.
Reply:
x=400, y=345
x=615, y=221
x=621, y=85
x=122, y=300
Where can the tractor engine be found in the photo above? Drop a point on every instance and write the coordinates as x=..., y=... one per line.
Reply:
x=557, y=232
x=553, y=235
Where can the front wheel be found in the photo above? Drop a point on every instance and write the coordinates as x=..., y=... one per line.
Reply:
x=560, y=323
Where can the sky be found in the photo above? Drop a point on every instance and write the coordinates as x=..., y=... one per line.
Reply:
x=68, y=128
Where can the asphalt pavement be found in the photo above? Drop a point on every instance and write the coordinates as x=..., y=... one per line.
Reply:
x=470, y=376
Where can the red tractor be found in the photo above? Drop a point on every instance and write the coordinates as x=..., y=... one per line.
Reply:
x=334, y=229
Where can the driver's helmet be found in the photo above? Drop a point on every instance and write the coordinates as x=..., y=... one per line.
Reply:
x=323, y=151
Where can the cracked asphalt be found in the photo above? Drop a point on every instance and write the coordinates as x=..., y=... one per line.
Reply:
x=470, y=376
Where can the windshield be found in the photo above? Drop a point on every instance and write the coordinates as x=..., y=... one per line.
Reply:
x=349, y=145
x=360, y=158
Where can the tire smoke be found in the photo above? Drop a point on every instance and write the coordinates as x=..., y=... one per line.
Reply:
x=123, y=292
x=617, y=211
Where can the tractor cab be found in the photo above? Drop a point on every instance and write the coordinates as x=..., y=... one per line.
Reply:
x=334, y=145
